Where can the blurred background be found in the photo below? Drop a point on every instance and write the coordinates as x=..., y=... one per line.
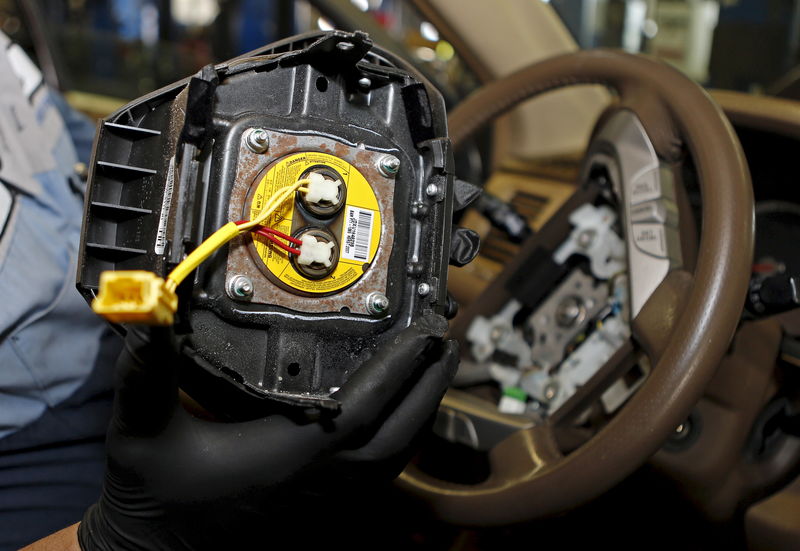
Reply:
x=104, y=52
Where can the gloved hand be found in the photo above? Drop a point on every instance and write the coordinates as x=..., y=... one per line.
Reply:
x=178, y=482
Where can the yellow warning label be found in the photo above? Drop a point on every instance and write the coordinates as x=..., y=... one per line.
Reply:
x=357, y=226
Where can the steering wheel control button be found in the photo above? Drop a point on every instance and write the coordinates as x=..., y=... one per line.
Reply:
x=656, y=212
x=651, y=239
x=656, y=240
x=650, y=185
x=646, y=191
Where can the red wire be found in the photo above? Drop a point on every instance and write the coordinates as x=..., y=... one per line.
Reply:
x=764, y=268
x=278, y=242
x=271, y=233
x=264, y=229
x=288, y=238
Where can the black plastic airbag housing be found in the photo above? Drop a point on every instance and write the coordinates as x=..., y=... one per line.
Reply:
x=161, y=180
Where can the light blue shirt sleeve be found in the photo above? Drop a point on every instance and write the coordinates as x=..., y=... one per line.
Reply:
x=49, y=337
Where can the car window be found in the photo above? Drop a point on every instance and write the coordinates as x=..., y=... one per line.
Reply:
x=746, y=45
x=125, y=48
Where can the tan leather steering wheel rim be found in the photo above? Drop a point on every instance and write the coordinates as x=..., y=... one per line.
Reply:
x=530, y=478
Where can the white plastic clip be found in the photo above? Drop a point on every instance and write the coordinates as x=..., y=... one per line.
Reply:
x=313, y=251
x=322, y=190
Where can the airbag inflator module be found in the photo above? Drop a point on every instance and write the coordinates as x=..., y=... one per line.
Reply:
x=274, y=209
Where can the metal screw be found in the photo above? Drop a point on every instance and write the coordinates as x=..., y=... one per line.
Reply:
x=414, y=269
x=345, y=46
x=377, y=304
x=388, y=165
x=432, y=190
x=419, y=209
x=364, y=82
x=550, y=391
x=423, y=289
x=570, y=312
x=258, y=140
x=498, y=332
x=586, y=238
x=682, y=431
x=240, y=286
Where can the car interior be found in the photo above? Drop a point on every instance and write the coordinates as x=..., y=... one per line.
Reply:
x=629, y=331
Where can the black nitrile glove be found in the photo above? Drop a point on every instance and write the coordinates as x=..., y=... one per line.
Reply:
x=177, y=482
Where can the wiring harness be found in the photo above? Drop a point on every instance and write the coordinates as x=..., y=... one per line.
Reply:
x=139, y=296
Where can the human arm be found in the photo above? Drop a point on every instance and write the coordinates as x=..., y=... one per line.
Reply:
x=63, y=540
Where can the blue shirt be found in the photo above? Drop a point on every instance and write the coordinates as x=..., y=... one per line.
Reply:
x=56, y=356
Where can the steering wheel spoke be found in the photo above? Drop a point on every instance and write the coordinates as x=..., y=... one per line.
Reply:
x=524, y=454
x=592, y=390
x=466, y=419
x=656, y=321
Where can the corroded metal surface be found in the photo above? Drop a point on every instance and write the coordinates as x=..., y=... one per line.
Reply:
x=243, y=261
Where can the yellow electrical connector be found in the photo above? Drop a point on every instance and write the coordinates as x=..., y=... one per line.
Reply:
x=138, y=296
x=135, y=296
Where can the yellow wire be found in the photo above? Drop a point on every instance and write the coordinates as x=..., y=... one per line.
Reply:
x=277, y=200
x=228, y=232
x=274, y=202
x=280, y=197
x=203, y=251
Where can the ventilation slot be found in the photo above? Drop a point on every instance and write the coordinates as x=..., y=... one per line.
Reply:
x=124, y=172
x=130, y=132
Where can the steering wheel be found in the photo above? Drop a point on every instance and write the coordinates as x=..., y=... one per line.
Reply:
x=684, y=326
